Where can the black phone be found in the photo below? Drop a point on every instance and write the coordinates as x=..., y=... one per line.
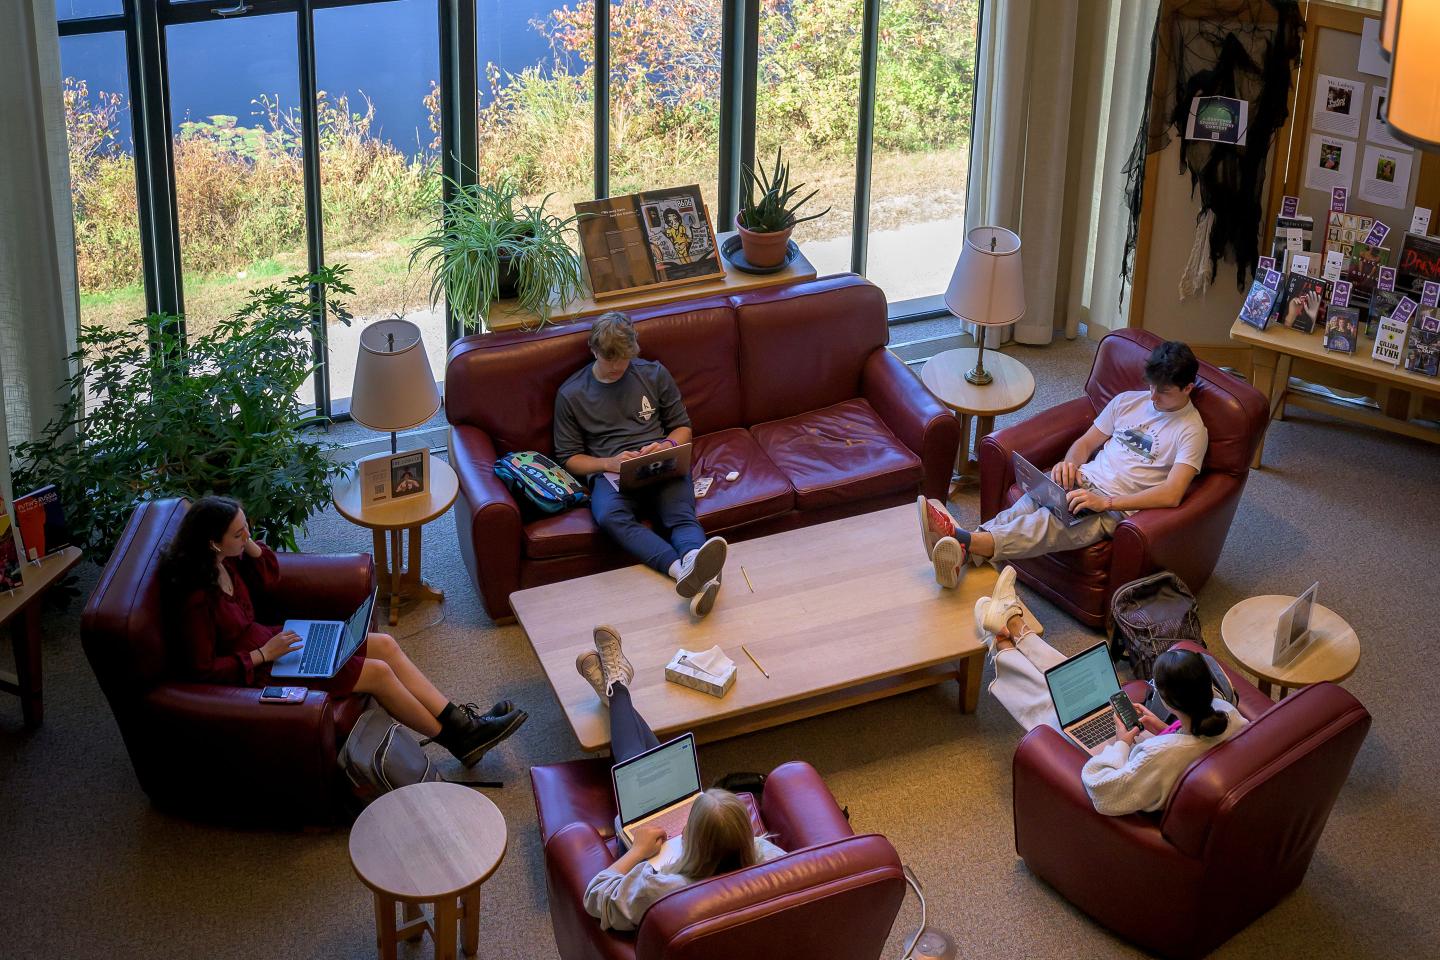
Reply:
x=1126, y=710
x=283, y=694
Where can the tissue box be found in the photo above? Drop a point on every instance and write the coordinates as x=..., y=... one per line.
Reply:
x=681, y=672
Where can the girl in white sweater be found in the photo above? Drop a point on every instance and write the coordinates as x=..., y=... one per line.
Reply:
x=1138, y=770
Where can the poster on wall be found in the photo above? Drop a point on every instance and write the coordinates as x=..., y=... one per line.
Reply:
x=1377, y=130
x=654, y=238
x=1385, y=176
x=1337, y=105
x=1329, y=163
x=1372, y=59
x=1218, y=120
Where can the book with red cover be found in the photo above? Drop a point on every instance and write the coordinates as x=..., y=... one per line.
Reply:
x=41, y=518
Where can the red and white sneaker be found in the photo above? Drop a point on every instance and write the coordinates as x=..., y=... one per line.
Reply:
x=949, y=559
x=935, y=522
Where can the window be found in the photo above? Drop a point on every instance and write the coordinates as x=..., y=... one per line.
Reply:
x=377, y=71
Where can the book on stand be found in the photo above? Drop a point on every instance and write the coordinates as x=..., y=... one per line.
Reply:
x=1342, y=329
x=1390, y=340
x=1293, y=309
x=1260, y=301
x=40, y=516
x=1422, y=347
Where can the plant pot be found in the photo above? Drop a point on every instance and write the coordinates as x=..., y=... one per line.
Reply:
x=764, y=249
x=507, y=277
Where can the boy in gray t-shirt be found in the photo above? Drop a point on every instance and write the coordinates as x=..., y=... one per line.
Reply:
x=620, y=407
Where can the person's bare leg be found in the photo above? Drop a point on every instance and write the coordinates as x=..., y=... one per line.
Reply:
x=382, y=646
x=380, y=681
x=982, y=544
x=1014, y=628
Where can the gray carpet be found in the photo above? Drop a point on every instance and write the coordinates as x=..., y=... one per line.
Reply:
x=92, y=871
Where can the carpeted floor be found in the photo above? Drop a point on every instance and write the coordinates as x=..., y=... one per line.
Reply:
x=90, y=870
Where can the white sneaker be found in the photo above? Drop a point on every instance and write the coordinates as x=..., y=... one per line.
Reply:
x=588, y=666
x=703, y=567
x=949, y=558
x=703, y=602
x=1004, y=604
x=935, y=522
x=614, y=668
x=986, y=637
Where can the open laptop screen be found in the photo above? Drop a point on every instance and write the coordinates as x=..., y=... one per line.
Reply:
x=656, y=779
x=357, y=628
x=1082, y=684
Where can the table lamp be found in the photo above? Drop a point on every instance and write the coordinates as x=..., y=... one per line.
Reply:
x=987, y=288
x=394, y=388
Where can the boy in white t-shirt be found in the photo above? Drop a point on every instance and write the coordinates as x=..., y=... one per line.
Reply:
x=1148, y=445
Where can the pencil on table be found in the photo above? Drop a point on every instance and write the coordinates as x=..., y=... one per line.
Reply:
x=754, y=661
x=747, y=580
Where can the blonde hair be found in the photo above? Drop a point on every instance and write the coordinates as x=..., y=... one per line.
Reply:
x=613, y=337
x=718, y=837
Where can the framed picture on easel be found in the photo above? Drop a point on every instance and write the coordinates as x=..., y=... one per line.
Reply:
x=656, y=238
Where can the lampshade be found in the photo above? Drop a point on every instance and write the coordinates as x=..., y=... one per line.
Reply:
x=1387, y=28
x=987, y=287
x=394, y=388
x=1413, y=108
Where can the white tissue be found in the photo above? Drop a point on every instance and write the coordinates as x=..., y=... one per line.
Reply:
x=712, y=661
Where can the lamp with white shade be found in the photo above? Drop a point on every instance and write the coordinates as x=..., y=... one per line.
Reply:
x=394, y=387
x=987, y=288
x=1409, y=32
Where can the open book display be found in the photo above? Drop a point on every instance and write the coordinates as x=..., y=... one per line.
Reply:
x=657, y=238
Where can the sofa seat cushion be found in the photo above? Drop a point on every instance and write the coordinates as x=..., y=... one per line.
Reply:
x=568, y=534
x=839, y=454
x=1087, y=568
x=760, y=492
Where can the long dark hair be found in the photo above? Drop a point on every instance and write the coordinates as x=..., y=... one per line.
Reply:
x=1183, y=679
x=188, y=563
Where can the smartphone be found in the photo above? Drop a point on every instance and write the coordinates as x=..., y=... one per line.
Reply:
x=283, y=694
x=1126, y=710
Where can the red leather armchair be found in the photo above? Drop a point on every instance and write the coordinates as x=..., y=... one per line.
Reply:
x=833, y=897
x=1186, y=539
x=1236, y=836
x=213, y=751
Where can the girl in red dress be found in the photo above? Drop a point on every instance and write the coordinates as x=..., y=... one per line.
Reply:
x=213, y=572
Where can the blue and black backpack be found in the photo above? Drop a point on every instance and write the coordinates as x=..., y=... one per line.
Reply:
x=536, y=479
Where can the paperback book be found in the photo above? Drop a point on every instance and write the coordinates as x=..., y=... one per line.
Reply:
x=1302, y=305
x=1259, y=303
x=1419, y=261
x=1303, y=231
x=1342, y=329
x=1362, y=266
x=1390, y=340
x=1422, y=347
x=1382, y=304
x=41, y=518
x=1344, y=230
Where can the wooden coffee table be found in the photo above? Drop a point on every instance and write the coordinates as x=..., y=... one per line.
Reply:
x=842, y=613
x=1248, y=632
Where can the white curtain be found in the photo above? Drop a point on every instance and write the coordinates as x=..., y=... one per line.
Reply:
x=1060, y=90
x=38, y=290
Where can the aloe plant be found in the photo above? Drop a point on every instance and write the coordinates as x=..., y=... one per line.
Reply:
x=480, y=228
x=768, y=206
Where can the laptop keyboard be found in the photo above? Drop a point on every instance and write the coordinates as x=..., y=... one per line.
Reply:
x=319, y=646
x=673, y=820
x=1096, y=730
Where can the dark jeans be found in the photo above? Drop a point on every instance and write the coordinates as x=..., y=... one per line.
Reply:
x=670, y=506
x=630, y=735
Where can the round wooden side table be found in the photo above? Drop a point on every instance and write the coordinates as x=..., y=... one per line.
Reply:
x=1012, y=388
x=428, y=843
x=399, y=582
x=1248, y=632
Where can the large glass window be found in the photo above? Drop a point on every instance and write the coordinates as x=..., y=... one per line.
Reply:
x=809, y=87
x=925, y=88
x=377, y=70
x=102, y=178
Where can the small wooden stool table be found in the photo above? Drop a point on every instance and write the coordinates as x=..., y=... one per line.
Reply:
x=1248, y=632
x=432, y=843
x=394, y=517
x=1012, y=388
x=23, y=605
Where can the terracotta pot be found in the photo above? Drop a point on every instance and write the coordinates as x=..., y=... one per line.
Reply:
x=764, y=249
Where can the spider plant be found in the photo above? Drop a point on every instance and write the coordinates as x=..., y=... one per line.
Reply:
x=769, y=205
x=485, y=240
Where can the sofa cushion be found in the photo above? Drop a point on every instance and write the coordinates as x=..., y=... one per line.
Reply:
x=566, y=534
x=760, y=492
x=839, y=454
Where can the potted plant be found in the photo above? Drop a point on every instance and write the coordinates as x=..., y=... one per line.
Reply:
x=767, y=213
x=487, y=246
x=146, y=416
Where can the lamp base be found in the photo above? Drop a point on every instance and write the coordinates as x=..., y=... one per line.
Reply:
x=979, y=376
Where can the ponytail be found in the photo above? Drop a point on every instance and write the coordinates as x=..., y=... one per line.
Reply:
x=1183, y=680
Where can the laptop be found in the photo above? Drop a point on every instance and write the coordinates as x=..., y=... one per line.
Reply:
x=1080, y=689
x=326, y=644
x=1044, y=491
x=657, y=789
x=646, y=469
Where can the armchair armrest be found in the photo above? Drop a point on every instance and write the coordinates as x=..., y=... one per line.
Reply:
x=1186, y=539
x=920, y=421
x=799, y=809
x=1043, y=440
x=487, y=519
x=573, y=855
x=321, y=586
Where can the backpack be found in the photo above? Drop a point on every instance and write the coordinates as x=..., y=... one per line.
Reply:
x=380, y=756
x=1150, y=614
x=536, y=479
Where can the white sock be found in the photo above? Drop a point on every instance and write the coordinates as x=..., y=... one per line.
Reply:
x=675, y=570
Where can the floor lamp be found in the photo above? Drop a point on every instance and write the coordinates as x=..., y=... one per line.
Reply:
x=987, y=288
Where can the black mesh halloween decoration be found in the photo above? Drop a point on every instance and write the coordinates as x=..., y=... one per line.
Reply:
x=1229, y=48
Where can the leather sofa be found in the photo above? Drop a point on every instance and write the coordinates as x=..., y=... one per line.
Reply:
x=791, y=386
x=1235, y=837
x=212, y=751
x=834, y=896
x=1186, y=539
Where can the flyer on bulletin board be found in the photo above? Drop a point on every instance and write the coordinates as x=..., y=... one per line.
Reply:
x=1337, y=106
x=1385, y=176
x=1377, y=130
x=1329, y=163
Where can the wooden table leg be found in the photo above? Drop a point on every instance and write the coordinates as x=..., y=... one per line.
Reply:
x=396, y=561
x=412, y=584
x=971, y=669
x=447, y=918
x=1263, y=368
x=470, y=922
x=962, y=455
x=385, y=926
x=414, y=927
x=1264, y=686
x=1280, y=387
x=25, y=638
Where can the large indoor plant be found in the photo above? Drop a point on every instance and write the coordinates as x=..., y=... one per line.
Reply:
x=486, y=245
x=147, y=416
x=768, y=213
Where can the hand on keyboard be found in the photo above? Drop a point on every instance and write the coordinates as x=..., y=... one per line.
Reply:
x=280, y=644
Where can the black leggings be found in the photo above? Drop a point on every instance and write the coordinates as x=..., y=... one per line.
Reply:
x=630, y=735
